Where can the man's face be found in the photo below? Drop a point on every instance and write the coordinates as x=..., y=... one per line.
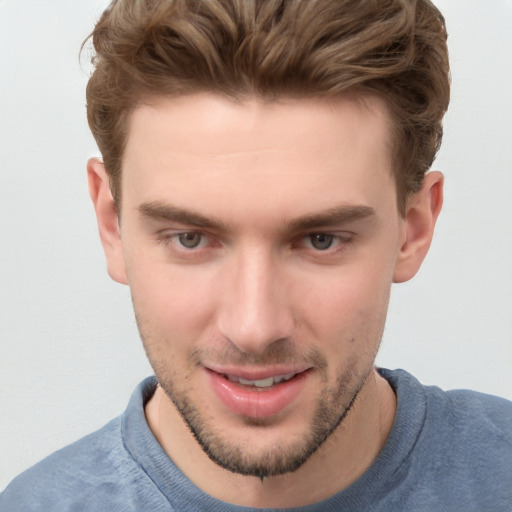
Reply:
x=259, y=242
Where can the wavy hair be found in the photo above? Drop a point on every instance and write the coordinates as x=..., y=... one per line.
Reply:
x=395, y=49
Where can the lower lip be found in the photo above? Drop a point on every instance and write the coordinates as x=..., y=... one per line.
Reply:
x=257, y=403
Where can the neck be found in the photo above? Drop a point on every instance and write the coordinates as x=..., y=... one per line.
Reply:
x=341, y=460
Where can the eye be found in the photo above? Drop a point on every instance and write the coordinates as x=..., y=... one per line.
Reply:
x=189, y=246
x=321, y=241
x=190, y=240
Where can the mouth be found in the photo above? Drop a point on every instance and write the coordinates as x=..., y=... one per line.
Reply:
x=261, y=384
x=258, y=394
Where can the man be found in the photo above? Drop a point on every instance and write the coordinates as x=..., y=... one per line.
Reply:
x=263, y=182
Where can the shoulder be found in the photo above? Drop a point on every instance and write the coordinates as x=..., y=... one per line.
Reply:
x=96, y=473
x=68, y=474
x=469, y=434
x=476, y=419
x=461, y=412
x=463, y=450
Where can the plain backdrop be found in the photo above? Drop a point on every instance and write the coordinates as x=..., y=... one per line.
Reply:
x=70, y=354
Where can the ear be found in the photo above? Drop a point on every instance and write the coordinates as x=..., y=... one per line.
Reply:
x=108, y=221
x=422, y=211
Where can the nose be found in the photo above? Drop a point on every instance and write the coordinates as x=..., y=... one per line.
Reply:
x=255, y=311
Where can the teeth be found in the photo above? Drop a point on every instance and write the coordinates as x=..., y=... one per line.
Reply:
x=283, y=378
x=262, y=383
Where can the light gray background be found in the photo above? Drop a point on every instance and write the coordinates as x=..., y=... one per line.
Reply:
x=70, y=353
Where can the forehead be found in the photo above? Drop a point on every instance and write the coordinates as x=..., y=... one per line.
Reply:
x=216, y=118
x=204, y=148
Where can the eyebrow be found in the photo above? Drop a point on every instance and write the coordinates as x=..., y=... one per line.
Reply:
x=328, y=218
x=162, y=211
x=332, y=217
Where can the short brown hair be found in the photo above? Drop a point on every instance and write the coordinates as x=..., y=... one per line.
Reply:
x=273, y=48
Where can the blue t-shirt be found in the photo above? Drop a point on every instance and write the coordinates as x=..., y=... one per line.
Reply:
x=447, y=451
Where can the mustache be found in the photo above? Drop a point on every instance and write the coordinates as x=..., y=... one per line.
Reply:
x=279, y=352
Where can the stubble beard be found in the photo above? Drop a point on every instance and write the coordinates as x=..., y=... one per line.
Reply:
x=331, y=410
x=333, y=405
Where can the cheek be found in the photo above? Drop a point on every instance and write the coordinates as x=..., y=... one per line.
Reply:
x=348, y=306
x=170, y=301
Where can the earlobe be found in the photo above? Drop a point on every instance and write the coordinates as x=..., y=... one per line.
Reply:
x=108, y=221
x=423, y=208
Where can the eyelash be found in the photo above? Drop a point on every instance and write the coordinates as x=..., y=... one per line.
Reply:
x=341, y=241
x=173, y=238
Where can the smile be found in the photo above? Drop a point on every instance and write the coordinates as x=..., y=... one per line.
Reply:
x=261, y=383
x=260, y=395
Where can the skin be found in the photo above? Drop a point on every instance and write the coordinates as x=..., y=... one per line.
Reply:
x=292, y=205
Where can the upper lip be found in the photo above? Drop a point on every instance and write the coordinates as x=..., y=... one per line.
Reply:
x=257, y=373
